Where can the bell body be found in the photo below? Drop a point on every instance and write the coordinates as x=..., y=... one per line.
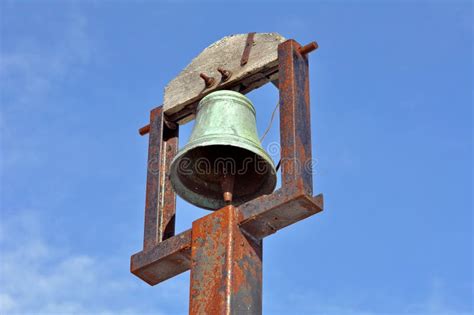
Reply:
x=223, y=144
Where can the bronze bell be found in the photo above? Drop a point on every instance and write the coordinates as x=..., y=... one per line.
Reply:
x=223, y=162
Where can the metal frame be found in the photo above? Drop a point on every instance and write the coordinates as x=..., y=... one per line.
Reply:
x=224, y=249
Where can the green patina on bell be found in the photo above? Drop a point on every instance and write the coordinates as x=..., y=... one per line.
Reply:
x=224, y=155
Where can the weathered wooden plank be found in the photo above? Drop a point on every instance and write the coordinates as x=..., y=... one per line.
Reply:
x=188, y=87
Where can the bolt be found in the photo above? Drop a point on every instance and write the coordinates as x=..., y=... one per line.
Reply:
x=144, y=130
x=226, y=74
x=308, y=48
x=171, y=125
x=209, y=81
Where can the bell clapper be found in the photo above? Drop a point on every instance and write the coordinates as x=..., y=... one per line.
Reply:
x=228, y=187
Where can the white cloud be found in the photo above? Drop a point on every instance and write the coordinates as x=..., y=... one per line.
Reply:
x=435, y=302
x=7, y=304
x=38, y=278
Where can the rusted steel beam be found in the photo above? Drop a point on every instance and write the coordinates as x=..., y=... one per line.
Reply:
x=167, y=195
x=226, y=266
x=259, y=218
x=267, y=214
x=160, y=200
x=295, y=124
x=166, y=260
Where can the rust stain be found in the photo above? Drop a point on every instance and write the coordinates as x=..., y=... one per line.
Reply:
x=225, y=266
x=295, y=133
x=160, y=200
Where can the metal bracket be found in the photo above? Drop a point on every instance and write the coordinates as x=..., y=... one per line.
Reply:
x=248, y=47
x=165, y=255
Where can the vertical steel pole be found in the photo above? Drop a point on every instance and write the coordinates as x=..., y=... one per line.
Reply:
x=160, y=204
x=295, y=123
x=226, y=266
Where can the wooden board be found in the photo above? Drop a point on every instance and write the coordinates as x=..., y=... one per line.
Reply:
x=187, y=88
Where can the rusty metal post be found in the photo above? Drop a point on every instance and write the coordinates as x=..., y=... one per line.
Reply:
x=160, y=204
x=226, y=266
x=295, y=123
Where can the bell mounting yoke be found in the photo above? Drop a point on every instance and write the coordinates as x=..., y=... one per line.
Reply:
x=223, y=250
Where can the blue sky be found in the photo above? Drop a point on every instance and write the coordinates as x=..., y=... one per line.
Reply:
x=391, y=110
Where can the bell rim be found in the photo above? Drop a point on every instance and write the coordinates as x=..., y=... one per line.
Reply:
x=210, y=204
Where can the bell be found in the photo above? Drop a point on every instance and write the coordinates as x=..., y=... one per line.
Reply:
x=223, y=162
